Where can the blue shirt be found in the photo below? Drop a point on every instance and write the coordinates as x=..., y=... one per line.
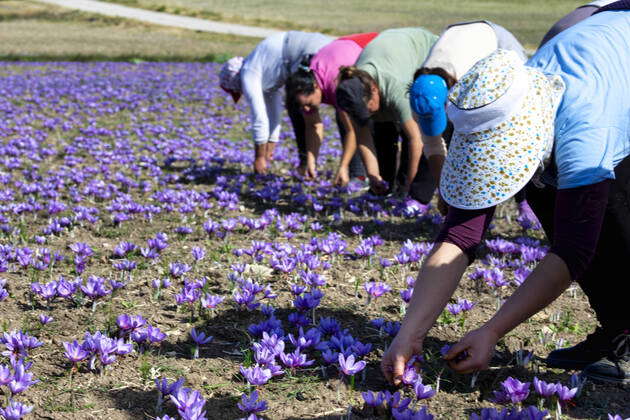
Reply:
x=592, y=126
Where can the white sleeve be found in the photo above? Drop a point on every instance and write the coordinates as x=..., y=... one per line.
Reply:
x=251, y=82
x=273, y=100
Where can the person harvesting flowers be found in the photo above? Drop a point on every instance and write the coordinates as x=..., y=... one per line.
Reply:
x=559, y=125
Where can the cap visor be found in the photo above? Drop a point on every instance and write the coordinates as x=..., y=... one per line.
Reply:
x=433, y=125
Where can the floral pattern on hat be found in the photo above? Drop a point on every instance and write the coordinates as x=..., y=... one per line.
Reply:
x=479, y=88
x=485, y=168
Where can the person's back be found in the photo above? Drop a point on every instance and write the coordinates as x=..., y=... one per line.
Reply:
x=391, y=59
x=592, y=58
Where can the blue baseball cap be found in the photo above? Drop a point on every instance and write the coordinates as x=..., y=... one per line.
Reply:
x=428, y=99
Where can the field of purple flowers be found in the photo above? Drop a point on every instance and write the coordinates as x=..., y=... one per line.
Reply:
x=145, y=272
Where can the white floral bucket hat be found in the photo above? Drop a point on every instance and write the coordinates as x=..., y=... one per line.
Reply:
x=503, y=116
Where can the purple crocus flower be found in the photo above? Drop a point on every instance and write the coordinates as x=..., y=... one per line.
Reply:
x=256, y=375
x=348, y=365
x=129, y=323
x=373, y=399
x=177, y=269
x=190, y=404
x=22, y=379
x=166, y=389
x=6, y=375
x=198, y=253
x=15, y=410
x=155, y=335
x=512, y=390
x=376, y=289
x=74, y=351
x=250, y=405
x=543, y=388
x=565, y=393
x=200, y=339
x=295, y=360
x=409, y=414
x=422, y=391
x=45, y=319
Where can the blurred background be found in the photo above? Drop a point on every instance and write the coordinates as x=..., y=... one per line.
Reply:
x=36, y=31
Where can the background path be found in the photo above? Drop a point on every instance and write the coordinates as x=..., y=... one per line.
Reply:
x=164, y=19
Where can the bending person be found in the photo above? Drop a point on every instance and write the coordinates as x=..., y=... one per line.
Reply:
x=261, y=76
x=373, y=94
x=459, y=47
x=576, y=16
x=314, y=85
x=571, y=98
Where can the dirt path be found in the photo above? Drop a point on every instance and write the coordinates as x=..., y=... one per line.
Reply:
x=164, y=19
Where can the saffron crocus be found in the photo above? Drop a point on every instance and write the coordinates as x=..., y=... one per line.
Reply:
x=6, y=375
x=348, y=365
x=250, y=404
x=22, y=379
x=422, y=391
x=256, y=375
x=74, y=351
x=512, y=390
x=565, y=393
x=15, y=410
x=543, y=388
x=295, y=360
x=409, y=414
x=373, y=399
x=190, y=404
x=129, y=323
x=376, y=289
x=198, y=253
x=200, y=339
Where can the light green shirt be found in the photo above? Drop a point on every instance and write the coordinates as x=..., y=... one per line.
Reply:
x=391, y=59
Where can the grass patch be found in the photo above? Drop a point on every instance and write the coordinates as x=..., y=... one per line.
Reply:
x=34, y=32
x=529, y=20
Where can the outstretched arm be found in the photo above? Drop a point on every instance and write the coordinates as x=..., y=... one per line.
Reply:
x=412, y=131
x=349, y=149
x=314, y=134
x=579, y=214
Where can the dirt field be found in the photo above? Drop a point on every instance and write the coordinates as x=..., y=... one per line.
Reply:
x=105, y=153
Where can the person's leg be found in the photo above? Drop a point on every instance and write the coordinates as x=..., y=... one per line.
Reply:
x=299, y=128
x=355, y=168
x=605, y=279
x=601, y=288
x=385, y=136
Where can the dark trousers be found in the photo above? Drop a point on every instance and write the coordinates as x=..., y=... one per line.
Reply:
x=392, y=169
x=355, y=168
x=607, y=275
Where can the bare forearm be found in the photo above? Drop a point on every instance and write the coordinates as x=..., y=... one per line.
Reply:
x=547, y=282
x=415, y=152
x=437, y=280
x=314, y=134
x=349, y=149
x=368, y=153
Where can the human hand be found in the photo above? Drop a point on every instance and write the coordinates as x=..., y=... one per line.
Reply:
x=260, y=165
x=378, y=186
x=342, y=178
x=403, y=348
x=311, y=170
x=473, y=352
